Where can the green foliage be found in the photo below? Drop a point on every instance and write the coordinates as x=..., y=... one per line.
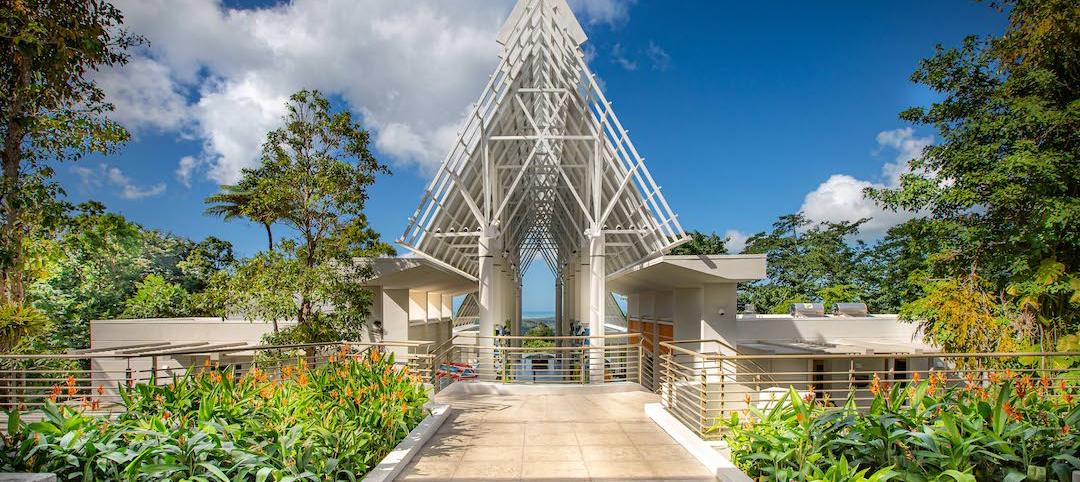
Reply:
x=1004, y=177
x=313, y=179
x=92, y=266
x=18, y=322
x=50, y=110
x=541, y=329
x=156, y=298
x=334, y=422
x=807, y=261
x=960, y=316
x=702, y=244
x=1015, y=429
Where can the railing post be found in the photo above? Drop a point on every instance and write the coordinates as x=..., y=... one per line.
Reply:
x=704, y=402
x=505, y=365
x=639, y=363
x=584, y=364
x=128, y=374
x=851, y=375
x=153, y=370
x=668, y=359
x=723, y=386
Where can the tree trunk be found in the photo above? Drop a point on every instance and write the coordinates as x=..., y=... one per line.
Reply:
x=11, y=231
x=269, y=237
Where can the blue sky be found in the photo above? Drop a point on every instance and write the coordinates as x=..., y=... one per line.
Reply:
x=744, y=111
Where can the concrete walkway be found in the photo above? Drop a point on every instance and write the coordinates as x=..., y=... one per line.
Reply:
x=551, y=433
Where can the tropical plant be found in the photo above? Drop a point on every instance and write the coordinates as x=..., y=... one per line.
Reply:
x=333, y=422
x=18, y=322
x=1015, y=428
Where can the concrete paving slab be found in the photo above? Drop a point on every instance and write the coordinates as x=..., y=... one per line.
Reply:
x=571, y=433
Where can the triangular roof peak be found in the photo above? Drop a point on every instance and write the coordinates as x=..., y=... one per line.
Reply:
x=542, y=166
x=559, y=9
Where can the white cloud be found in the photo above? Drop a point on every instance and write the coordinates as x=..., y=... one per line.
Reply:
x=185, y=168
x=658, y=56
x=612, y=12
x=907, y=146
x=410, y=68
x=145, y=95
x=105, y=175
x=735, y=240
x=841, y=198
x=618, y=56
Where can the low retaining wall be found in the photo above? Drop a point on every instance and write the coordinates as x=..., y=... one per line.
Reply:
x=397, y=459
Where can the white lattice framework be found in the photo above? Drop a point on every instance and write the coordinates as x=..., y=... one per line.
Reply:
x=542, y=169
x=544, y=161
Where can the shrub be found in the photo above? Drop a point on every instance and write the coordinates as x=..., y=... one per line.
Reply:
x=1013, y=429
x=333, y=422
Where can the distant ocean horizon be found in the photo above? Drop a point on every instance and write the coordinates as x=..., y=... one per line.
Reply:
x=537, y=315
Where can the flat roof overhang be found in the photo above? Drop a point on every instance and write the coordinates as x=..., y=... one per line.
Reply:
x=687, y=271
x=418, y=274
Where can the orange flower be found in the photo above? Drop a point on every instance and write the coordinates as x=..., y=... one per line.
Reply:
x=266, y=392
x=1011, y=412
x=1065, y=429
x=302, y=379
x=94, y=404
x=101, y=390
x=166, y=415
x=70, y=381
x=875, y=385
x=333, y=394
x=229, y=376
x=916, y=377
x=799, y=416
x=71, y=391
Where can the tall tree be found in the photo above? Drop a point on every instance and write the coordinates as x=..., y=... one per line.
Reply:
x=805, y=260
x=1005, y=176
x=50, y=110
x=316, y=171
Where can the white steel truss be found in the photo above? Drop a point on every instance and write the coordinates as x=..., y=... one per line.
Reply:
x=542, y=170
x=543, y=161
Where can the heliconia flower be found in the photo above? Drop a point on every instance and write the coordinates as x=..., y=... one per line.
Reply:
x=101, y=389
x=70, y=380
x=916, y=377
x=71, y=391
x=875, y=385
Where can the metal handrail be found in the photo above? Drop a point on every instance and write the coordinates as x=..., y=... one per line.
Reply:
x=699, y=388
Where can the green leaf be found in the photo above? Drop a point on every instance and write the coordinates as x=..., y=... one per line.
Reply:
x=214, y=470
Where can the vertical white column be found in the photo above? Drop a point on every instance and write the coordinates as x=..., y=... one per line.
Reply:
x=559, y=308
x=485, y=297
x=597, y=303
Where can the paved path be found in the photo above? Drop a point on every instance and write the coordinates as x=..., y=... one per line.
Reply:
x=564, y=433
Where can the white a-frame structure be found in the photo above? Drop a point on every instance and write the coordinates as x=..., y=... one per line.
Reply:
x=542, y=169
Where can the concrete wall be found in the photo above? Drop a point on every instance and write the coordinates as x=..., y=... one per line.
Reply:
x=110, y=372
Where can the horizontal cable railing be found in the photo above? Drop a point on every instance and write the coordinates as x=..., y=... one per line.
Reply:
x=93, y=379
x=539, y=359
x=700, y=384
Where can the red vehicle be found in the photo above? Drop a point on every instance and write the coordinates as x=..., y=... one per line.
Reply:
x=456, y=371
